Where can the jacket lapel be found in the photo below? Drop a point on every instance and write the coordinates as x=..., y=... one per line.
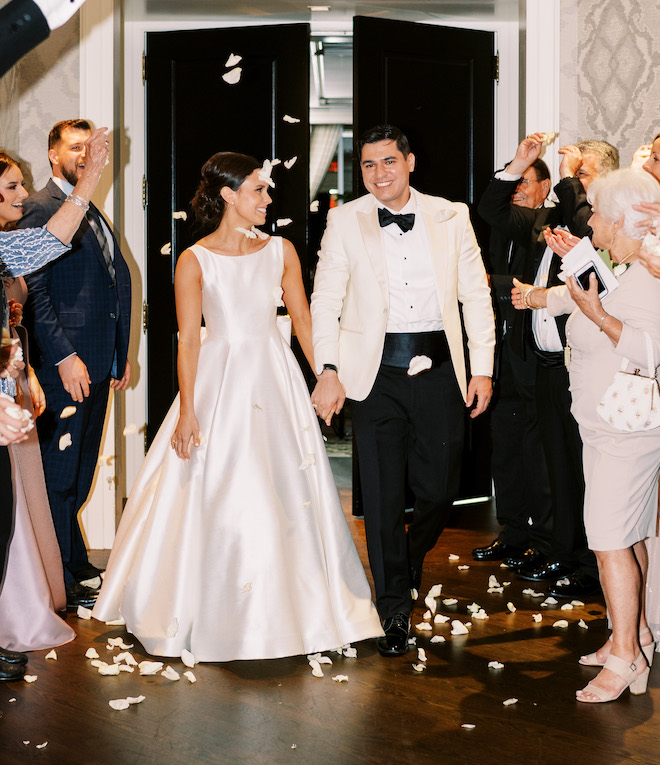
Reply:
x=434, y=219
x=373, y=243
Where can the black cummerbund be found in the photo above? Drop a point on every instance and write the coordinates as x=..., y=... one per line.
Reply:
x=400, y=347
x=549, y=358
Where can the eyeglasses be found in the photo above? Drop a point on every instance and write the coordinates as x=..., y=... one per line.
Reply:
x=526, y=181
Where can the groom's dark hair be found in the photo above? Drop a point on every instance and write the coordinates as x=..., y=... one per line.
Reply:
x=384, y=133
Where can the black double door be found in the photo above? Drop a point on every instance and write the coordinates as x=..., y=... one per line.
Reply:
x=436, y=83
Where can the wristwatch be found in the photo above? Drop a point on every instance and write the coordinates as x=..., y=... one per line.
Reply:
x=329, y=366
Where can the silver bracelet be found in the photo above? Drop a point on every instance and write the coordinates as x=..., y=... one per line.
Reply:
x=600, y=326
x=78, y=201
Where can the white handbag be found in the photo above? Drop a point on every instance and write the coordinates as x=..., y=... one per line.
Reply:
x=632, y=402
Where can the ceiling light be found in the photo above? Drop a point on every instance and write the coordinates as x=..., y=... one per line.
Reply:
x=318, y=8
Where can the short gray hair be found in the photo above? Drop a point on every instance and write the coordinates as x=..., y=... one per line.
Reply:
x=607, y=155
x=614, y=195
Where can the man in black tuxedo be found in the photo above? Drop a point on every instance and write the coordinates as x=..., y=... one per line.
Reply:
x=570, y=563
x=78, y=316
x=522, y=492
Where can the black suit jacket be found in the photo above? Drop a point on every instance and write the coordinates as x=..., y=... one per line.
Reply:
x=22, y=26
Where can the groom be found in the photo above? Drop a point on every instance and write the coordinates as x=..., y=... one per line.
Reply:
x=394, y=267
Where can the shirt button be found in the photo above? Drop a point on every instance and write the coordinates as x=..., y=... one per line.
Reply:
x=113, y=316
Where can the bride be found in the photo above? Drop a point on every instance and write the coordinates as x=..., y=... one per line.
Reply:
x=233, y=544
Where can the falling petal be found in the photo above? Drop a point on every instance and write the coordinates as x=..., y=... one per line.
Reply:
x=412, y=641
x=30, y=678
x=503, y=565
x=340, y=678
x=548, y=138
x=567, y=607
x=266, y=178
x=83, y=613
x=314, y=206
x=246, y=232
x=316, y=668
x=150, y=667
x=414, y=594
x=511, y=607
x=419, y=667
x=11, y=701
x=577, y=603
x=119, y=704
x=292, y=120
x=561, y=624
x=435, y=591
x=275, y=161
x=421, y=654
x=281, y=222
x=583, y=624
x=537, y=617
x=188, y=659
x=26, y=743
x=495, y=665
x=462, y=568
x=190, y=676
x=68, y=411
x=437, y=639
x=170, y=673
x=308, y=461
x=166, y=249
x=130, y=429
x=509, y=702
x=350, y=652
x=172, y=628
x=458, y=628
x=51, y=655
x=431, y=604
x=468, y=726
x=136, y=699
x=65, y=441
x=450, y=601
x=419, y=364
x=180, y=215
x=232, y=76
x=247, y=587
x=424, y=627
x=440, y=619
x=289, y=163
x=233, y=59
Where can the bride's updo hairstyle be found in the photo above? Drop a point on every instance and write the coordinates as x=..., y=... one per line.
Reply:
x=226, y=168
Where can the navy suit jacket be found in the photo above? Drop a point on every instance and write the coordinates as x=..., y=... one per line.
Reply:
x=73, y=306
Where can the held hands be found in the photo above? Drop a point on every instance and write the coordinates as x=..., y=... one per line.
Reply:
x=528, y=152
x=328, y=396
x=75, y=378
x=481, y=388
x=187, y=430
x=14, y=422
x=560, y=241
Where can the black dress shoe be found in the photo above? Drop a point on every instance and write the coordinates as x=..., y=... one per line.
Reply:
x=415, y=579
x=545, y=572
x=395, y=640
x=530, y=556
x=13, y=657
x=496, y=550
x=88, y=572
x=11, y=671
x=79, y=595
x=579, y=585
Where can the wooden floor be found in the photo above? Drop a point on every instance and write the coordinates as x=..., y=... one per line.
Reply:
x=277, y=712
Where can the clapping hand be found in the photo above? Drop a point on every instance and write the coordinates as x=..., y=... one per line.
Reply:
x=560, y=241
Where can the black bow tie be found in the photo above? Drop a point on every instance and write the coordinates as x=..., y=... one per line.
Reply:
x=405, y=222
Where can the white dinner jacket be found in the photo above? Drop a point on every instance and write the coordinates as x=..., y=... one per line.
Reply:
x=350, y=303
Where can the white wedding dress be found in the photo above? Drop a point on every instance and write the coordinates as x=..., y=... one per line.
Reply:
x=241, y=552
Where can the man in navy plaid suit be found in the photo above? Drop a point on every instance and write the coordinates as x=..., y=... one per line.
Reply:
x=78, y=315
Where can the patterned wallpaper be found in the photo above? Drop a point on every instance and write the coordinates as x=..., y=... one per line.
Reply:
x=610, y=80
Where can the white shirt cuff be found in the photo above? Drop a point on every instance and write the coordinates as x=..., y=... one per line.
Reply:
x=58, y=12
x=502, y=175
x=65, y=358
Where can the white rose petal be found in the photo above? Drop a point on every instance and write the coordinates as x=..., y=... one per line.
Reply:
x=652, y=244
x=473, y=607
x=480, y=615
x=509, y=702
x=495, y=589
x=126, y=668
x=42, y=746
x=468, y=726
x=511, y=607
x=419, y=364
x=577, y=603
x=350, y=652
x=11, y=701
x=190, y=676
x=414, y=594
x=567, y=607
x=316, y=668
x=233, y=59
x=292, y=120
x=454, y=557
x=561, y=624
x=458, y=628
x=492, y=581
x=180, y=215
x=246, y=232
x=440, y=619
x=65, y=441
x=505, y=584
x=172, y=628
x=503, y=565
x=150, y=667
x=130, y=429
x=437, y=639
x=233, y=75
x=108, y=669
x=51, y=655
x=247, y=587
x=419, y=667
x=532, y=593
x=431, y=604
x=424, y=627
x=340, y=678
x=412, y=641
x=119, y=704
x=308, y=461
x=314, y=206
x=563, y=581
x=277, y=296
x=136, y=699
x=282, y=222
x=450, y=601
x=275, y=161
x=26, y=743
x=550, y=601
x=583, y=624
x=166, y=249
x=127, y=657
x=537, y=617
x=84, y=613
x=119, y=643
x=187, y=658
x=30, y=678
x=548, y=138
x=421, y=654
x=68, y=411
x=427, y=615
x=495, y=665
x=435, y=591
x=170, y=673
x=289, y=163
x=462, y=568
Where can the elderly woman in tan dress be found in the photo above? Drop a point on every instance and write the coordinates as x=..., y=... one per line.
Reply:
x=621, y=468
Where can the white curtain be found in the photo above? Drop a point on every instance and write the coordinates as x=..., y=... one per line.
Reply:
x=322, y=148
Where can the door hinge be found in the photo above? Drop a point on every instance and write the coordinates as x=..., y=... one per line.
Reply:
x=145, y=316
x=145, y=192
x=146, y=448
x=496, y=67
x=144, y=67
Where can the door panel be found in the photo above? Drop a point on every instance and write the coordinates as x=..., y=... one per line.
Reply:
x=436, y=84
x=193, y=113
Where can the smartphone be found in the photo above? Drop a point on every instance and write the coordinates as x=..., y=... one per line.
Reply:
x=582, y=275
